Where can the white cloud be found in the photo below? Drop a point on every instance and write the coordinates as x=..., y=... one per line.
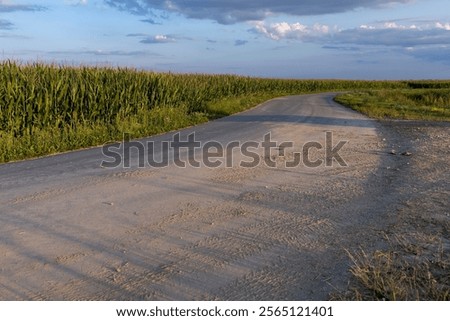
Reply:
x=389, y=33
x=158, y=39
x=162, y=38
x=391, y=25
x=445, y=26
x=366, y=27
x=426, y=40
x=393, y=34
x=285, y=30
x=394, y=25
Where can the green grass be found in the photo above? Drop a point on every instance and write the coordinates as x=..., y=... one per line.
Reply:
x=233, y=105
x=46, y=109
x=419, y=104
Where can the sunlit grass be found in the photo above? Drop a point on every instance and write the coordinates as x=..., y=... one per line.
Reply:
x=418, y=104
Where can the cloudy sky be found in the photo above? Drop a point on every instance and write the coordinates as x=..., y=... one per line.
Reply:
x=366, y=39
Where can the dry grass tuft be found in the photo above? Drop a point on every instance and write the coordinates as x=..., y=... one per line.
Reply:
x=408, y=271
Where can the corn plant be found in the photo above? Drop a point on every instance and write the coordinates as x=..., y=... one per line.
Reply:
x=72, y=107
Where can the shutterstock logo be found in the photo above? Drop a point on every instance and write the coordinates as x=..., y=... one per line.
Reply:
x=213, y=154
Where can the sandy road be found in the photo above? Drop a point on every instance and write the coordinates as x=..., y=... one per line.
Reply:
x=71, y=230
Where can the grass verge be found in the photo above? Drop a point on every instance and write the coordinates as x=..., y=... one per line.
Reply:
x=414, y=104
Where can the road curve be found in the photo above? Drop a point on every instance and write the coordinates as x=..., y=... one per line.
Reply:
x=73, y=229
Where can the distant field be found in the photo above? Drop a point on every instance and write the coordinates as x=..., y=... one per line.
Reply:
x=46, y=109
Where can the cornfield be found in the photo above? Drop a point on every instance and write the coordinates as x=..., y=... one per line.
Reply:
x=49, y=108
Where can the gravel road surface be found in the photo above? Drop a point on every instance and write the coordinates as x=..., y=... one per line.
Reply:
x=72, y=229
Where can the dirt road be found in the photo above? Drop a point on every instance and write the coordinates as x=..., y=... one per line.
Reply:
x=71, y=229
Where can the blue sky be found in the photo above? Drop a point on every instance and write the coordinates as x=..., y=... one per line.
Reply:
x=363, y=39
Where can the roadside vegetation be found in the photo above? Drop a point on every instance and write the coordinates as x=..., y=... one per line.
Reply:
x=46, y=109
x=421, y=101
